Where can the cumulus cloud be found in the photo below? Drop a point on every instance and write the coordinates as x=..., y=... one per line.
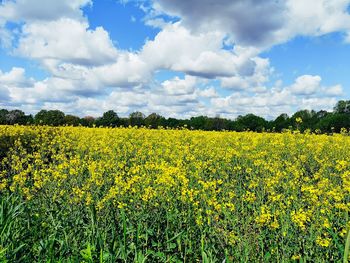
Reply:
x=210, y=92
x=15, y=77
x=315, y=17
x=276, y=100
x=334, y=91
x=176, y=48
x=5, y=37
x=250, y=22
x=41, y=10
x=308, y=85
x=261, y=23
x=213, y=42
x=66, y=40
x=179, y=86
x=318, y=103
x=47, y=90
x=128, y=70
x=254, y=82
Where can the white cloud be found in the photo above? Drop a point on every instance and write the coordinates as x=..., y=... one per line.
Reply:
x=255, y=82
x=306, y=85
x=34, y=10
x=5, y=37
x=207, y=92
x=15, y=77
x=277, y=100
x=128, y=70
x=89, y=75
x=315, y=17
x=66, y=40
x=176, y=48
x=250, y=22
x=261, y=23
x=47, y=90
x=317, y=103
x=179, y=86
x=336, y=90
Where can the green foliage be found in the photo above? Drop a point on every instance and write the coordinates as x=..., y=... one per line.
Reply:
x=50, y=117
x=334, y=122
x=154, y=120
x=281, y=122
x=109, y=118
x=342, y=106
x=136, y=119
x=72, y=120
x=3, y=114
x=321, y=121
x=251, y=122
x=193, y=176
x=15, y=117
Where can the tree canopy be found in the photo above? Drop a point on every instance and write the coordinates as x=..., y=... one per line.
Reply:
x=321, y=121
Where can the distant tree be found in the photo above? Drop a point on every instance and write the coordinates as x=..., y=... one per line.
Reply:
x=154, y=120
x=137, y=118
x=124, y=122
x=302, y=120
x=29, y=119
x=342, y=106
x=72, y=120
x=199, y=122
x=17, y=117
x=334, y=122
x=309, y=119
x=3, y=113
x=87, y=121
x=251, y=122
x=49, y=117
x=216, y=124
x=281, y=122
x=321, y=114
x=109, y=118
x=173, y=123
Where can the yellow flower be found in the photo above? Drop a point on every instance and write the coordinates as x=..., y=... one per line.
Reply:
x=300, y=218
x=295, y=257
x=323, y=242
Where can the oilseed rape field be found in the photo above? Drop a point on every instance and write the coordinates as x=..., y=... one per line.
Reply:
x=137, y=195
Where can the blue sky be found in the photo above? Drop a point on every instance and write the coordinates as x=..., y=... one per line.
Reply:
x=179, y=58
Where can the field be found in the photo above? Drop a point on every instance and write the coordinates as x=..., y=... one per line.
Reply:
x=137, y=195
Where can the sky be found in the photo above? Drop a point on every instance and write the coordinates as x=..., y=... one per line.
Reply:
x=178, y=58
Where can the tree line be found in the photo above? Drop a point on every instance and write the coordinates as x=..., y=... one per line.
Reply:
x=320, y=121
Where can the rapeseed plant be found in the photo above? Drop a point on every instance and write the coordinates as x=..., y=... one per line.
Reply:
x=128, y=194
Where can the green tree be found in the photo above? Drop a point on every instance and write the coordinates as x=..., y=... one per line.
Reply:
x=17, y=117
x=342, y=106
x=49, y=117
x=87, y=121
x=154, y=120
x=137, y=118
x=199, y=122
x=281, y=122
x=3, y=113
x=173, y=123
x=334, y=122
x=109, y=118
x=251, y=122
x=72, y=120
x=309, y=119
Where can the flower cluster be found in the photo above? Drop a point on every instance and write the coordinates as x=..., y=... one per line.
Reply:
x=257, y=191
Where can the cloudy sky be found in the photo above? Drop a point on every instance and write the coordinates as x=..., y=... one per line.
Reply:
x=178, y=58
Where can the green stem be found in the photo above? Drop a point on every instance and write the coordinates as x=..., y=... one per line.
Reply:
x=347, y=248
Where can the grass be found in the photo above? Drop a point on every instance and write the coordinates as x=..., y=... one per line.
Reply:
x=135, y=195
